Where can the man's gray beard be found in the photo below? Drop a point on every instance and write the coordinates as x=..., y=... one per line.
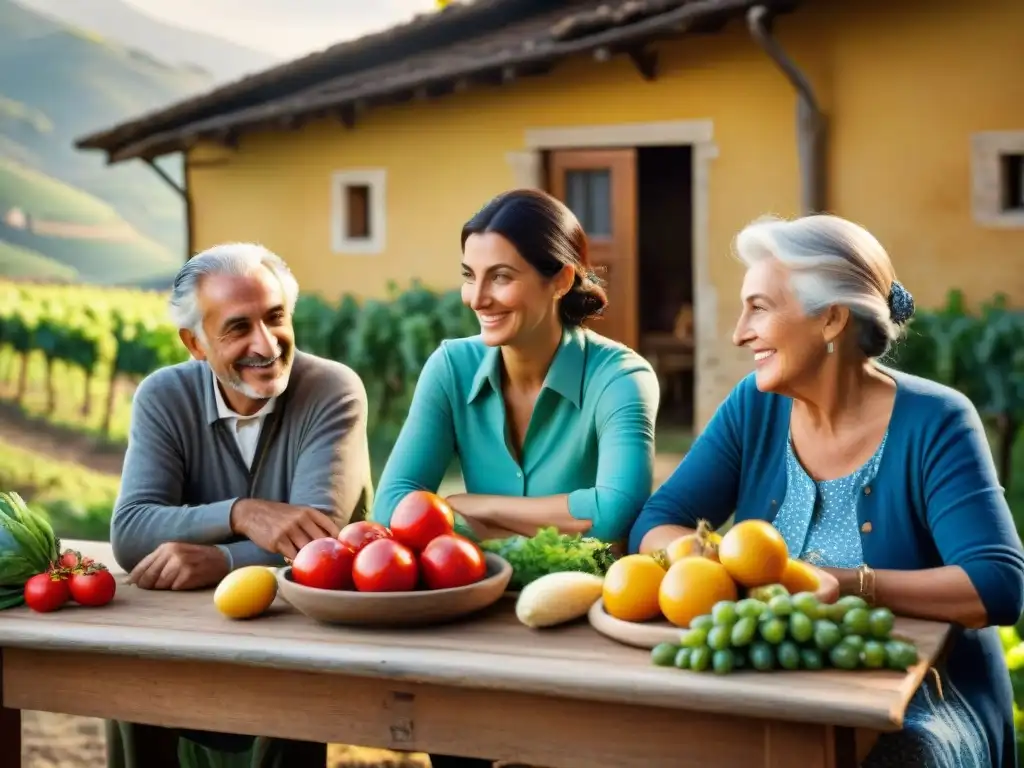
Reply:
x=234, y=381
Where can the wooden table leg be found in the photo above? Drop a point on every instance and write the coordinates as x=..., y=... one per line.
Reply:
x=10, y=728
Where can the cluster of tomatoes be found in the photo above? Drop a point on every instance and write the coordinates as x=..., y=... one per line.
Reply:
x=419, y=550
x=71, y=578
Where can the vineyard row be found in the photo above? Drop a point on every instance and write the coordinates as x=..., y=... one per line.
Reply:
x=120, y=334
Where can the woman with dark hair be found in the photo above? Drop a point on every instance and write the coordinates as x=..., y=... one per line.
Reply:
x=553, y=423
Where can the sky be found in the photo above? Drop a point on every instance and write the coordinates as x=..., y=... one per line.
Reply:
x=285, y=28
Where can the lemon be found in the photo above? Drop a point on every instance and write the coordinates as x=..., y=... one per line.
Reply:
x=246, y=592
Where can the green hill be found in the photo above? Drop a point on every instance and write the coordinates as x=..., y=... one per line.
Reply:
x=73, y=231
x=16, y=118
x=107, y=262
x=58, y=83
x=46, y=198
x=76, y=78
x=24, y=264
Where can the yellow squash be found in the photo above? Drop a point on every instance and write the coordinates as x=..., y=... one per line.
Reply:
x=246, y=592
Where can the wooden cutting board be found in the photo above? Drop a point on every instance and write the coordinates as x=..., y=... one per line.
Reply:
x=639, y=635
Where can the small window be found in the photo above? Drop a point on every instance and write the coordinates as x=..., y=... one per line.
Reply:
x=997, y=178
x=357, y=200
x=1013, y=181
x=357, y=215
x=588, y=195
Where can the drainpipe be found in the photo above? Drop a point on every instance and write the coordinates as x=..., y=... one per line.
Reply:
x=185, y=196
x=810, y=122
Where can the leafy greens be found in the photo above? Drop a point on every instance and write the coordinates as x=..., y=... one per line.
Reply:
x=548, y=552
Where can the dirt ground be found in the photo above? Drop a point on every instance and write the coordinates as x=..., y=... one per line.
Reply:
x=60, y=741
x=57, y=443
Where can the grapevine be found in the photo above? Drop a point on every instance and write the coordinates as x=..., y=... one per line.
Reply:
x=101, y=331
x=123, y=335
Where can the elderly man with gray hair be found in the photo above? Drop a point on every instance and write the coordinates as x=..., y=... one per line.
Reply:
x=237, y=457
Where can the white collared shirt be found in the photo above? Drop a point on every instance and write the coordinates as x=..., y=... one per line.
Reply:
x=246, y=429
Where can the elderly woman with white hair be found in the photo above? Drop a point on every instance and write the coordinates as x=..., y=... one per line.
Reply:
x=882, y=480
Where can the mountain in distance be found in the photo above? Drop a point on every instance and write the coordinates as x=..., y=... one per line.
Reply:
x=109, y=224
x=118, y=21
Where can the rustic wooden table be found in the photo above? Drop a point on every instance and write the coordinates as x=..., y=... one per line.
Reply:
x=486, y=687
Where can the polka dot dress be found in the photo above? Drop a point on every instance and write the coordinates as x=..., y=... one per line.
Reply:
x=818, y=520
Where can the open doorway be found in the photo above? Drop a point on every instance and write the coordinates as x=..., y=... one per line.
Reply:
x=635, y=205
x=665, y=261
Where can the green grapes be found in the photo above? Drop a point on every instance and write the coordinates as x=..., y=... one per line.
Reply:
x=788, y=632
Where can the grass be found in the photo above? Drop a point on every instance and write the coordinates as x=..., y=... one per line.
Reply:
x=23, y=264
x=77, y=501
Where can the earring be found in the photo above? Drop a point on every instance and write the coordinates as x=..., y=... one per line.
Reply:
x=830, y=348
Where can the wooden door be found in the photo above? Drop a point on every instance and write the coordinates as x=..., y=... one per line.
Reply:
x=600, y=188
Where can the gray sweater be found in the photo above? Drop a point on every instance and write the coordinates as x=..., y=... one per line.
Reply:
x=183, y=470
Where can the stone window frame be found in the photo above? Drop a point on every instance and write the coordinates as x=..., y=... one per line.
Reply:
x=987, y=151
x=376, y=180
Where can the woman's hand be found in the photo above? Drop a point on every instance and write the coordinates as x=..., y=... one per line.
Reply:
x=473, y=514
x=828, y=591
x=516, y=515
x=471, y=507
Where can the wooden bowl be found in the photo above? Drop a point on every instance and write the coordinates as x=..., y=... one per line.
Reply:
x=397, y=609
x=645, y=634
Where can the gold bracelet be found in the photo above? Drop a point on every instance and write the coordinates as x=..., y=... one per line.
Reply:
x=866, y=583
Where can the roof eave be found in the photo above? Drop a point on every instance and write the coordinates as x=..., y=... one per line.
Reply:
x=494, y=70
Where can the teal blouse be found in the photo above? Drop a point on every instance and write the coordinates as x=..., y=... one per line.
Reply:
x=591, y=434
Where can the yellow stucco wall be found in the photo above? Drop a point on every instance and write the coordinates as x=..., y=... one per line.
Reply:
x=904, y=87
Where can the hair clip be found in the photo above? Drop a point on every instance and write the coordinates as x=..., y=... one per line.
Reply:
x=901, y=303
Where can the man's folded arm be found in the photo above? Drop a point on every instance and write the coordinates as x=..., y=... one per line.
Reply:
x=148, y=510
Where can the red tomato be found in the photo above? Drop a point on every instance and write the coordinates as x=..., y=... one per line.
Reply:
x=358, y=535
x=324, y=564
x=93, y=587
x=46, y=592
x=72, y=558
x=450, y=561
x=419, y=517
x=385, y=566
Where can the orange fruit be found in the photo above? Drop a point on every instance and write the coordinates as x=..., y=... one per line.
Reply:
x=754, y=553
x=799, y=577
x=630, y=590
x=701, y=543
x=691, y=588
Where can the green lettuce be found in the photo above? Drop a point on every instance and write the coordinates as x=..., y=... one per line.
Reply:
x=548, y=552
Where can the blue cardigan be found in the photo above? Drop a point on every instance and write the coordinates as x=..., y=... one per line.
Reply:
x=935, y=501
